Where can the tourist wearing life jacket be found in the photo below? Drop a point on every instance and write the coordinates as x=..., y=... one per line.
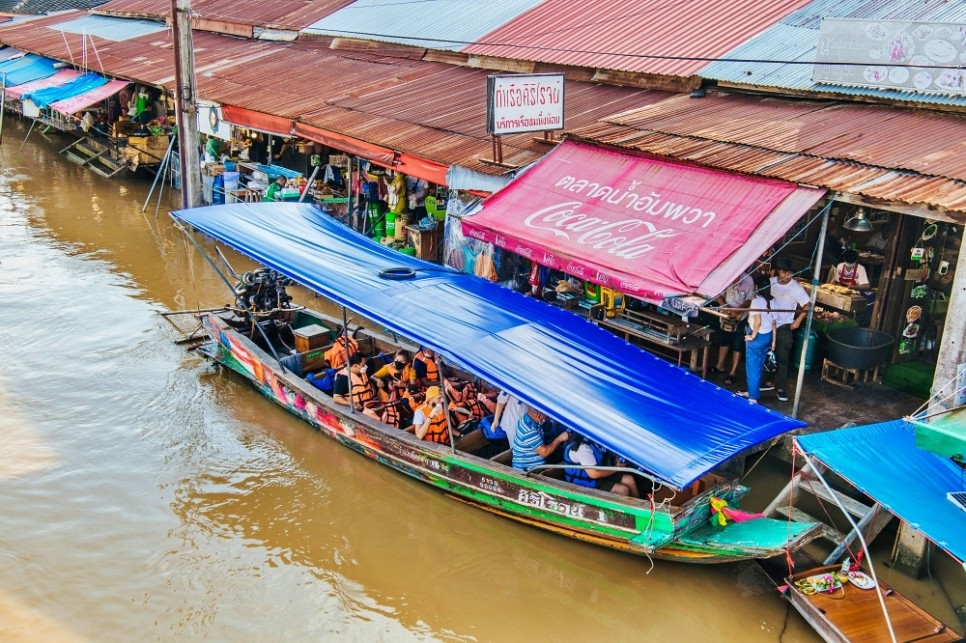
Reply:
x=398, y=370
x=424, y=364
x=429, y=421
x=353, y=382
x=464, y=402
x=585, y=455
x=336, y=354
x=850, y=273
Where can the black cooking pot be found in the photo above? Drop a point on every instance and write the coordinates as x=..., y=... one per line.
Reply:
x=859, y=348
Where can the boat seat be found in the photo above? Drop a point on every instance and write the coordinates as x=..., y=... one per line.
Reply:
x=557, y=474
x=472, y=441
x=505, y=457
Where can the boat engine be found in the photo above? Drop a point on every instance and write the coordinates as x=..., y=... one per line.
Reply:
x=263, y=290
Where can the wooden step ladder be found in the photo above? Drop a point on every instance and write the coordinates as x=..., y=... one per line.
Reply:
x=94, y=156
x=871, y=520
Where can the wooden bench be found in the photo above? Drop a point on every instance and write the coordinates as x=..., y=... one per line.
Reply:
x=472, y=441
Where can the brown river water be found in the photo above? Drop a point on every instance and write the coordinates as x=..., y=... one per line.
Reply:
x=146, y=495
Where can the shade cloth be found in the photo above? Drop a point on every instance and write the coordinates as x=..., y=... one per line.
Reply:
x=44, y=97
x=62, y=77
x=883, y=462
x=80, y=101
x=641, y=225
x=26, y=69
x=674, y=424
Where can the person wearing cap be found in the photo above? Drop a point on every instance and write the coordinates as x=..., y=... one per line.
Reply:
x=850, y=273
x=529, y=448
x=790, y=301
x=429, y=421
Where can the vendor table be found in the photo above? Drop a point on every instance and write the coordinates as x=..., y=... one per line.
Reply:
x=662, y=335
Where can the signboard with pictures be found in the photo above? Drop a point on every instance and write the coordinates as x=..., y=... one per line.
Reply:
x=524, y=103
x=913, y=56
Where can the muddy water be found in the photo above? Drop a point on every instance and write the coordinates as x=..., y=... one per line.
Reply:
x=145, y=495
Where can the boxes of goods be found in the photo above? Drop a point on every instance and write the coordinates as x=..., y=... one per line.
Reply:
x=311, y=337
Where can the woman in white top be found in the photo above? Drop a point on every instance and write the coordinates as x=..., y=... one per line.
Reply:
x=760, y=337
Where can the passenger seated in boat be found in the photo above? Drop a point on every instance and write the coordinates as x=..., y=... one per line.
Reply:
x=429, y=421
x=464, y=402
x=356, y=378
x=399, y=370
x=509, y=410
x=580, y=451
x=424, y=365
x=529, y=448
x=336, y=354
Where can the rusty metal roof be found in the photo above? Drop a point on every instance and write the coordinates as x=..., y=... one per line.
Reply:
x=648, y=36
x=274, y=14
x=905, y=156
x=429, y=109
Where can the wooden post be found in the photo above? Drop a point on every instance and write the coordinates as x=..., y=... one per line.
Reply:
x=909, y=554
x=952, y=351
x=185, y=107
x=811, y=310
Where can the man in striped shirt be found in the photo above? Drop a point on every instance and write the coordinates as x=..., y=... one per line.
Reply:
x=529, y=449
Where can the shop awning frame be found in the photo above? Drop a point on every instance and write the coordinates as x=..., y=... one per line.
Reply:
x=649, y=227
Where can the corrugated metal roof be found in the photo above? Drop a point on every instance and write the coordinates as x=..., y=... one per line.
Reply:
x=115, y=29
x=795, y=39
x=910, y=157
x=274, y=14
x=619, y=35
x=424, y=108
x=433, y=25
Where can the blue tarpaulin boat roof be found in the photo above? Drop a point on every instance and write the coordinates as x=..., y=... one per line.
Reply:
x=674, y=424
x=44, y=97
x=883, y=462
x=27, y=69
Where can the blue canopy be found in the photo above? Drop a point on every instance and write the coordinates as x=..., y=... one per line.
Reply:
x=80, y=85
x=674, y=424
x=883, y=462
x=27, y=69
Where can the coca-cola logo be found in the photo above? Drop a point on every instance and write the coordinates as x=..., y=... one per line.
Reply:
x=627, y=238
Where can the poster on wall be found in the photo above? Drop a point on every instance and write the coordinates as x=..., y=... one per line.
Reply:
x=889, y=54
x=210, y=121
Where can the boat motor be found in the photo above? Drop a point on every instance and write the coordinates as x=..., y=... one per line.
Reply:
x=263, y=290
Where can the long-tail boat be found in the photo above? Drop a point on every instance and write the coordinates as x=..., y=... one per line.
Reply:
x=677, y=429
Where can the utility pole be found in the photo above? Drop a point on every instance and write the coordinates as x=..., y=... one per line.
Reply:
x=952, y=351
x=186, y=107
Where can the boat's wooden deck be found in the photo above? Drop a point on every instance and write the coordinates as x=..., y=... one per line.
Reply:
x=854, y=614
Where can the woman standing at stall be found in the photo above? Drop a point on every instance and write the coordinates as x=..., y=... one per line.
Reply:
x=760, y=337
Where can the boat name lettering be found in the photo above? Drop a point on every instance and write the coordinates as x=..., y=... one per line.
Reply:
x=548, y=502
x=563, y=218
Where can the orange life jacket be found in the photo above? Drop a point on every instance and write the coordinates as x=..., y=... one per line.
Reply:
x=336, y=355
x=391, y=414
x=432, y=373
x=361, y=390
x=438, y=430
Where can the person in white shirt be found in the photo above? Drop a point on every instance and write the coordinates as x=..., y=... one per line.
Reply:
x=507, y=414
x=732, y=341
x=760, y=337
x=850, y=273
x=792, y=302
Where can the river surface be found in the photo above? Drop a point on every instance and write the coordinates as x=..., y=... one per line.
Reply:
x=146, y=495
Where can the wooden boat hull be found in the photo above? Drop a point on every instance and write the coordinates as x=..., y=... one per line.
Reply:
x=657, y=529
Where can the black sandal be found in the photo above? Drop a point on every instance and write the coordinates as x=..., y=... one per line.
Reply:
x=729, y=380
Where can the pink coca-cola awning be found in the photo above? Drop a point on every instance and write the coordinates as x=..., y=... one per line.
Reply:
x=648, y=227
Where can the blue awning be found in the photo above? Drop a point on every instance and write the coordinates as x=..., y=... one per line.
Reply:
x=883, y=462
x=26, y=69
x=44, y=97
x=674, y=424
